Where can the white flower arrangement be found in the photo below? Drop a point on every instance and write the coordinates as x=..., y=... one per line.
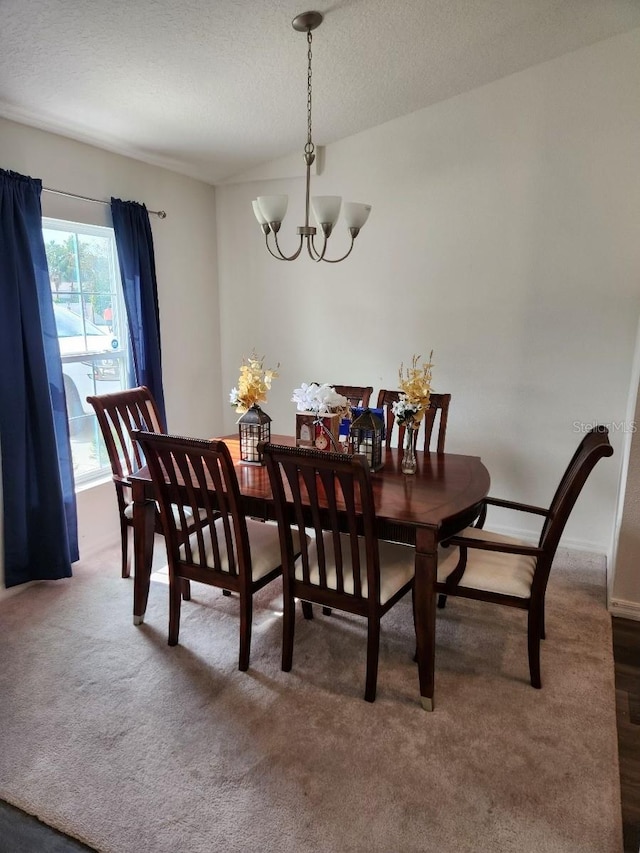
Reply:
x=406, y=411
x=319, y=399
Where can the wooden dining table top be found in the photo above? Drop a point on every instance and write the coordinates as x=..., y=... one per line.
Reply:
x=444, y=486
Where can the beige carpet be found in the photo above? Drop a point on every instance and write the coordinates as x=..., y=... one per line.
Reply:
x=129, y=745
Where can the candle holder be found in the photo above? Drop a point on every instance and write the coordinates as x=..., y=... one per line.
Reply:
x=254, y=427
x=366, y=436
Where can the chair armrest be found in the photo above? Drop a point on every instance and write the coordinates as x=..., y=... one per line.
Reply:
x=490, y=545
x=538, y=510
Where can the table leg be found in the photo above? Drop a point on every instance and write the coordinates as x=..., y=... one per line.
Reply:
x=143, y=535
x=425, y=611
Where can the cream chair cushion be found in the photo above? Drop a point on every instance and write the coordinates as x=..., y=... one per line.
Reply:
x=490, y=571
x=264, y=542
x=397, y=564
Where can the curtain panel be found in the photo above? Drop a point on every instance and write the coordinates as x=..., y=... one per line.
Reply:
x=134, y=243
x=40, y=520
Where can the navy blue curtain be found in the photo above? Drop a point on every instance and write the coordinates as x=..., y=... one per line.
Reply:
x=134, y=243
x=40, y=520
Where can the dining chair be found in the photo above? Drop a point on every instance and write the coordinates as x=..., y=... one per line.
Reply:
x=118, y=413
x=225, y=549
x=343, y=564
x=438, y=409
x=357, y=395
x=499, y=569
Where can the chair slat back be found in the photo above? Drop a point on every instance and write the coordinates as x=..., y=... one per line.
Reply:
x=120, y=413
x=329, y=494
x=593, y=447
x=357, y=395
x=196, y=486
x=438, y=410
x=386, y=399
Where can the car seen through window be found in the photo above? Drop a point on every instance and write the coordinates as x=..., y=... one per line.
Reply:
x=90, y=364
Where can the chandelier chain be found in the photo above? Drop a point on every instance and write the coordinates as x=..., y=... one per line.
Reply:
x=309, y=147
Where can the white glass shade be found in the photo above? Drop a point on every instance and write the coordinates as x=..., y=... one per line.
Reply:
x=273, y=207
x=356, y=214
x=258, y=213
x=326, y=208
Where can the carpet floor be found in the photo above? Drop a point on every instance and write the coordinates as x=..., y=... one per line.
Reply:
x=128, y=745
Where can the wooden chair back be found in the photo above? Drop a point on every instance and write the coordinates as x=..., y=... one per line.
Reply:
x=120, y=413
x=330, y=493
x=195, y=484
x=357, y=395
x=593, y=447
x=438, y=410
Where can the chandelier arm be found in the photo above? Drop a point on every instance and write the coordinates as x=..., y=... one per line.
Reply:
x=320, y=256
x=331, y=260
x=281, y=256
x=346, y=255
x=314, y=254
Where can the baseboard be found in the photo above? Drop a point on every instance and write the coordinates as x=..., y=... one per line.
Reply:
x=625, y=609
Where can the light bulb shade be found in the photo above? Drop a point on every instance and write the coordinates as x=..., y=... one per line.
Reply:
x=258, y=213
x=273, y=207
x=356, y=214
x=326, y=208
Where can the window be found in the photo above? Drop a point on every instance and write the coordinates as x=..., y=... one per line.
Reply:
x=91, y=321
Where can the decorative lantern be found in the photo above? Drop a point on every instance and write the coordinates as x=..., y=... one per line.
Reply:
x=366, y=435
x=254, y=426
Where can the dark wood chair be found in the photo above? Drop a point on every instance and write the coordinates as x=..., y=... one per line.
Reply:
x=500, y=569
x=438, y=409
x=224, y=549
x=357, y=395
x=344, y=566
x=118, y=414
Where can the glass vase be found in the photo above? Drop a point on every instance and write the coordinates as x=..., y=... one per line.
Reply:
x=409, y=463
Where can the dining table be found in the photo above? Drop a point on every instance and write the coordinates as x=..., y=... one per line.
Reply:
x=443, y=496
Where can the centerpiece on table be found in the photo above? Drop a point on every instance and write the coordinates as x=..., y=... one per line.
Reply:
x=409, y=409
x=320, y=410
x=254, y=425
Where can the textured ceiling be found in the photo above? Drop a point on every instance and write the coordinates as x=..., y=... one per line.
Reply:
x=211, y=88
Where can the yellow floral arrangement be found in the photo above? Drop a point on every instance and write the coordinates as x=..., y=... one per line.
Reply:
x=253, y=384
x=415, y=387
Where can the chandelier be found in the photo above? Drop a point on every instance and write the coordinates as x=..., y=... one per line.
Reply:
x=270, y=210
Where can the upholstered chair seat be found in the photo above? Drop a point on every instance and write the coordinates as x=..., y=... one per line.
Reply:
x=397, y=565
x=490, y=571
x=264, y=542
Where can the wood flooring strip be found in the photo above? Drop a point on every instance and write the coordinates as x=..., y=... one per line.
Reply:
x=626, y=650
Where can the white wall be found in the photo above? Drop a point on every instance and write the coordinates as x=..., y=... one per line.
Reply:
x=504, y=235
x=185, y=252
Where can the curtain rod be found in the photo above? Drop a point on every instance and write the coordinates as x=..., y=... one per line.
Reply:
x=159, y=213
